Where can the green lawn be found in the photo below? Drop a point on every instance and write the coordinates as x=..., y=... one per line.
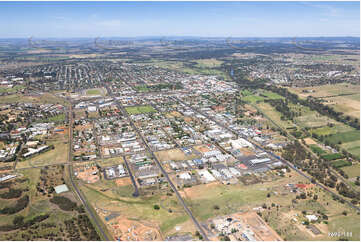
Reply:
x=140, y=109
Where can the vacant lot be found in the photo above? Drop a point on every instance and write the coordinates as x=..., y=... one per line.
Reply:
x=174, y=154
x=140, y=109
x=108, y=198
x=110, y=161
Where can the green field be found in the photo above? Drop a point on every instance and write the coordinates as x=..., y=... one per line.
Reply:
x=12, y=89
x=341, y=163
x=334, y=156
x=142, y=88
x=92, y=92
x=350, y=141
x=140, y=109
x=60, y=118
x=259, y=96
x=316, y=149
x=344, y=137
x=274, y=115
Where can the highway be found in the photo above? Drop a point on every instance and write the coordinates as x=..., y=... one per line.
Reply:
x=74, y=185
x=188, y=211
x=271, y=154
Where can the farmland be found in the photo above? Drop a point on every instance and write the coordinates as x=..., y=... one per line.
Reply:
x=342, y=97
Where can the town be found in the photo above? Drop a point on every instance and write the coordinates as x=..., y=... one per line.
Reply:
x=180, y=138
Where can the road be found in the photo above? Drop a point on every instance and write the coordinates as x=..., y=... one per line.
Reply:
x=136, y=190
x=188, y=211
x=74, y=185
x=271, y=154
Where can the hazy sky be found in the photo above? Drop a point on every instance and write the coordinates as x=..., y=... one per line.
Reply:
x=209, y=19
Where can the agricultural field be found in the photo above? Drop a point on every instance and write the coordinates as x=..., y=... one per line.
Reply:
x=140, y=109
x=342, y=97
x=352, y=171
x=349, y=140
x=316, y=149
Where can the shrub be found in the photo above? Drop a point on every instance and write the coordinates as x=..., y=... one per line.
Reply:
x=63, y=203
x=20, y=205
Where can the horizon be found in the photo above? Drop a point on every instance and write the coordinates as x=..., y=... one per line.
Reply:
x=179, y=19
x=181, y=36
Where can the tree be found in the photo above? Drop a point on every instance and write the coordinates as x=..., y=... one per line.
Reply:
x=156, y=207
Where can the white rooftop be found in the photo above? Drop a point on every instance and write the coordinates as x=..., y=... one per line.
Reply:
x=61, y=188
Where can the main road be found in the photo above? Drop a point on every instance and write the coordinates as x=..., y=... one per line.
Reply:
x=270, y=153
x=74, y=185
x=188, y=211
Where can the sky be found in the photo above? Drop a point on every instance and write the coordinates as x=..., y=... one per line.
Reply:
x=204, y=19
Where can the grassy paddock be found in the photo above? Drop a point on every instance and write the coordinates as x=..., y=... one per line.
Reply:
x=140, y=109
